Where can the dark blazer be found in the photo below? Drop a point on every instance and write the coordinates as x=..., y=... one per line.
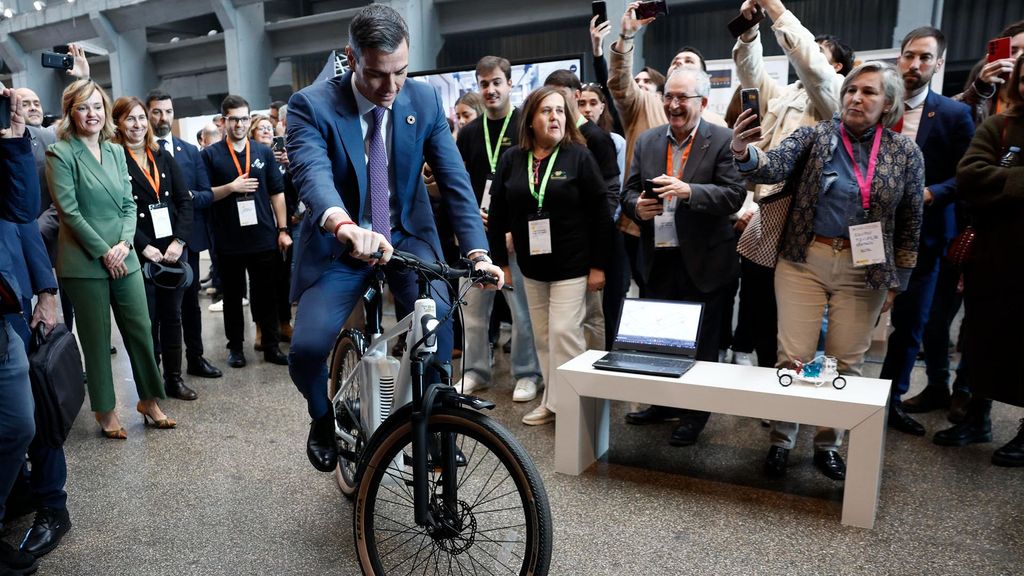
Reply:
x=172, y=191
x=48, y=220
x=19, y=202
x=945, y=133
x=198, y=182
x=707, y=241
x=326, y=150
x=31, y=263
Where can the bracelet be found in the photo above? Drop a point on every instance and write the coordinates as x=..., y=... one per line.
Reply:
x=624, y=37
x=340, y=224
x=482, y=258
x=285, y=230
x=737, y=153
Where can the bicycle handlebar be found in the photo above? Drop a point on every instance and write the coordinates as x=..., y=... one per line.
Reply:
x=440, y=269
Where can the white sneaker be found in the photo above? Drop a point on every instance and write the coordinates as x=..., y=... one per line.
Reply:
x=539, y=416
x=525, y=391
x=218, y=306
x=725, y=356
x=742, y=359
x=469, y=384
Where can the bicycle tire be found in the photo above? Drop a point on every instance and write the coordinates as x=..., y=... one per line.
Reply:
x=348, y=351
x=507, y=527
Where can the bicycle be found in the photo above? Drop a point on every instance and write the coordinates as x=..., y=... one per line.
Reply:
x=437, y=484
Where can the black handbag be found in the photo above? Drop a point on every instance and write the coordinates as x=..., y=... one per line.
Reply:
x=55, y=368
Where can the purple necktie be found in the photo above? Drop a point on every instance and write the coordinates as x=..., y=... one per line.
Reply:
x=380, y=206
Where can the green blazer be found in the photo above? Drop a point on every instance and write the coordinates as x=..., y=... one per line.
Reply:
x=95, y=205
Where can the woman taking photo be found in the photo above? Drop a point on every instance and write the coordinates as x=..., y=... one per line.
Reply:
x=549, y=193
x=96, y=263
x=164, y=209
x=856, y=177
x=991, y=180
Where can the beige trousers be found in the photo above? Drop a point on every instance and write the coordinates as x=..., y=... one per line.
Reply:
x=557, y=310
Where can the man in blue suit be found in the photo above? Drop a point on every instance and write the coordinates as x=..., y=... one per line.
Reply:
x=161, y=116
x=357, y=144
x=942, y=129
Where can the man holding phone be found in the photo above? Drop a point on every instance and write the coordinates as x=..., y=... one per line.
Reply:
x=986, y=95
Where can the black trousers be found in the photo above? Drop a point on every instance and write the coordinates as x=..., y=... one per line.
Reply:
x=758, y=325
x=617, y=274
x=165, y=318
x=191, y=314
x=262, y=269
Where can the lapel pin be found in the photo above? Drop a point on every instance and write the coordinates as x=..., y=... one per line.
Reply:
x=931, y=114
x=410, y=119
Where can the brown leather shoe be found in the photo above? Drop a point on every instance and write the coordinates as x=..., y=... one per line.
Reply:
x=931, y=398
x=285, y=331
x=258, y=343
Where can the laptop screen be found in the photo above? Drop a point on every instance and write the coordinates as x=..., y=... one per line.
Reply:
x=659, y=326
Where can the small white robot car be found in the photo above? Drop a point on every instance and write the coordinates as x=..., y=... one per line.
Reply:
x=818, y=371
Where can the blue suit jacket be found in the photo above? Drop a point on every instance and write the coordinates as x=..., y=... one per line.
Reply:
x=945, y=132
x=198, y=182
x=19, y=203
x=326, y=150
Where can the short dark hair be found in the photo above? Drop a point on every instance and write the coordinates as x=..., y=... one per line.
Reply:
x=841, y=52
x=232, y=101
x=199, y=135
x=276, y=104
x=703, y=61
x=377, y=27
x=156, y=96
x=488, y=63
x=1012, y=30
x=564, y=79
x=926, y=32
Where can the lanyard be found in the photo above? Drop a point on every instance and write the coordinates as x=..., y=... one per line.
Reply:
x=581, y=121
x=543, y=183
x=682, y=163
x=154, y=179
x=493, y=153
x=863, y=183
x=234, y=157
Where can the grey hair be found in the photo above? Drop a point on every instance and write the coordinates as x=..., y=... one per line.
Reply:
x=892, y=87
x=702, y=78
x=377, y=27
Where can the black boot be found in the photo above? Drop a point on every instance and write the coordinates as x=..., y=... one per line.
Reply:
x=174, y=386
x=975, y=428
x=1012, y=454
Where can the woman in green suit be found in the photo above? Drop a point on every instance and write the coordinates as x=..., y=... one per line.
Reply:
x=96, y=264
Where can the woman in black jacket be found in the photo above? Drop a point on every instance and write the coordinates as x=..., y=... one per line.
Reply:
x=163, y=221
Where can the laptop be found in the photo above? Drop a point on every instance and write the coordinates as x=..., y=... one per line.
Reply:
x=655, y=337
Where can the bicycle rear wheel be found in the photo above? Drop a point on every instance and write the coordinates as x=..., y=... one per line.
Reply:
x=348, y=351
x=503, y=513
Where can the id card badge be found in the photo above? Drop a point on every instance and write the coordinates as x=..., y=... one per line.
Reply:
x=665, y=227
x=540, y=234
x=867, y=245
x=485, y=200
x=247, y=212
x=161, y=218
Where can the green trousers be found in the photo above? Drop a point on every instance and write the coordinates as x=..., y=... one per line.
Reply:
x=93, y=299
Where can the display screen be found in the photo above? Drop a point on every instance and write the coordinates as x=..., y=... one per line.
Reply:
x=650, y=324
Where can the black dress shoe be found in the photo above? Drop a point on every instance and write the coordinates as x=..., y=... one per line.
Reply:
x=972, y=431
x=176, y=388
x=653, y=415
x=899, y=420
x=776, y=461
x=931, y=398
x=1012, y=454
x=275, y=356
x=831, y=464
x=14, y=561
x=322, y=446
x=236, y=358
x=199, y=366
x=958, y=406
x=50, y=525
x=686, y=434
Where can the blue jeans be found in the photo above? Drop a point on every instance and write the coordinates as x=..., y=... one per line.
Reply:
x=17, y=419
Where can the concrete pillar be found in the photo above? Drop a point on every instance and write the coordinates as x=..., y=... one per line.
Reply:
x=425, y=40
x=27, y=71
x=914, y=13
x=250, y=61
x=132, y=72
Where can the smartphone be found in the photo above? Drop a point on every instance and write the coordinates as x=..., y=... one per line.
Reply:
x=741, y=24
x=649, y=192
x=278, y=144
x=58, y=61
x=651, y=9
x=599, y=9
x=999, y=49
x=5, y=113
x=750, y=98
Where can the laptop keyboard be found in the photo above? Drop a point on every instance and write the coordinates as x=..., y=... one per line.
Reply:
x=648, y=360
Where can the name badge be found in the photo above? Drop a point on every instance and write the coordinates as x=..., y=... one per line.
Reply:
x=540, y=234
x=485, y=200
x=867, y=245
x=665, y=226
x=247, y=212
x=161, y=218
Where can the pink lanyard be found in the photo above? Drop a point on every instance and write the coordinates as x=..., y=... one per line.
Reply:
x=862, y=182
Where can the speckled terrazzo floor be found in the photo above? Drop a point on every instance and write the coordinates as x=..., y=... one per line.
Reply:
x=230, y=492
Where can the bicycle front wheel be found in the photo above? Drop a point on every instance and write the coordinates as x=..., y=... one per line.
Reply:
x=504, y=521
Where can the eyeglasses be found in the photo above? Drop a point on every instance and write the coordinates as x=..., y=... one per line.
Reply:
x=265, y=129
x=681, y=98
x=238, y=119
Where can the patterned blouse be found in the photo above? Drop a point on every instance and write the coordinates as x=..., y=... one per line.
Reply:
x=896, y=196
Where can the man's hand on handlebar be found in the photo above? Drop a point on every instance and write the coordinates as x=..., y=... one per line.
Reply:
x=367, y=245
x=491, y=269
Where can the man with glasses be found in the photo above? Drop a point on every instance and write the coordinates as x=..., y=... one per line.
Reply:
x=687, y=244
x=249, y=226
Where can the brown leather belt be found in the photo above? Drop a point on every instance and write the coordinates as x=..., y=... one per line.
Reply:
x=837, y=244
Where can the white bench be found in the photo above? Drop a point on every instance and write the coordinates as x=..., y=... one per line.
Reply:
x=581, y=434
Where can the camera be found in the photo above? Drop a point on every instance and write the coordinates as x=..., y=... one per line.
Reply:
x=58, y=61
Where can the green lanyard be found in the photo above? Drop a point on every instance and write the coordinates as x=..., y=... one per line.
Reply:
x=494, y=153
x=581, y=121
x=544, y=181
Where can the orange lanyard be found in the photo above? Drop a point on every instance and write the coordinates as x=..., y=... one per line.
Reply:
x=153, y=179
x=235, y=157
x=682, y=163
